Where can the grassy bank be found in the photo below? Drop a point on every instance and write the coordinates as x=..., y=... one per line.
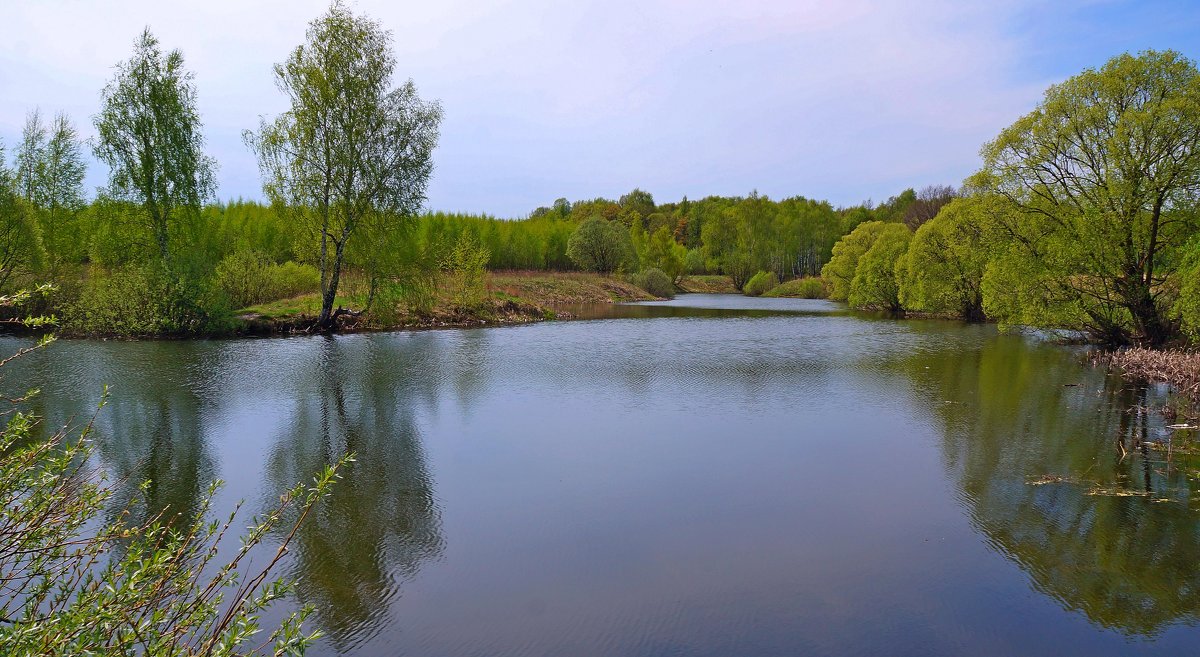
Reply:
x=564, y=288
x=708, y=284
x=509, y=298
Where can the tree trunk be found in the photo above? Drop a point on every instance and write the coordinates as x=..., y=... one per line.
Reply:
x=1152, y=331
x=327, y=319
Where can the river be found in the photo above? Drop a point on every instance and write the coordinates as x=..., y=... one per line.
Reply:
x=714, y=475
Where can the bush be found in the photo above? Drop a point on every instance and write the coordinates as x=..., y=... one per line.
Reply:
x=800, y=288
x=694, y=263
x=655, y=282
x=601, y=246
x=466, y=271
x=250, y=277
x=145, y=302
x=291, y=279
x=760, y=283
x=80, y=576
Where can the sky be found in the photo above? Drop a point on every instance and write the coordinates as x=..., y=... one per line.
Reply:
x=846, y=100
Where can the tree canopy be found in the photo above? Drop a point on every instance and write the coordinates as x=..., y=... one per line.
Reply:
x=1103, y=178
x=150, y=136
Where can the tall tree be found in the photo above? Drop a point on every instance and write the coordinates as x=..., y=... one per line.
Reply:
x=352, y=148
x=29, y=157
x=18, y=239
x=150, y=137
x=1104, y=174
x=58, y=194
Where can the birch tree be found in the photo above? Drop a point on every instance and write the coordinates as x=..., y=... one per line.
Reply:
x=352, y=149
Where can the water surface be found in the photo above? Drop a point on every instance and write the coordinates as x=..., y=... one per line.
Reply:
x=714, y=475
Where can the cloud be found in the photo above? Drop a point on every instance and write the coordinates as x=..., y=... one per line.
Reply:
x=839, y=100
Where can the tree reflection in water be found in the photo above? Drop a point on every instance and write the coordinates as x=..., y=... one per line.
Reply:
x=381, y=521
x=1052, y=463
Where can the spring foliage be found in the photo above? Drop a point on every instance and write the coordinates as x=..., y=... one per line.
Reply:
x=76, y=581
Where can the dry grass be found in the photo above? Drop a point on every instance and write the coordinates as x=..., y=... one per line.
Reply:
x=1179, y=369
x=565, y=288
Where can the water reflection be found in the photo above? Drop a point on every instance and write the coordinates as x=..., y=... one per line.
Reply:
x=740, y=476
x=1054, y=465
x=381, y=521
x=153, y=428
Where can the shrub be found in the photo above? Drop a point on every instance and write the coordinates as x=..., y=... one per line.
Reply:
x=250, y=277
x=1187, y=307
x=655, y=282
x=601, y=246
x=800, y=288
x=77, y=582
x=760, y=283
x=466, y=271
x=694, y=263
x=145, y=302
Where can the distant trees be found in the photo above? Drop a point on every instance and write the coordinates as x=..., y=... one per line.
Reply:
x=600, y=245
x=149, y=135
x=49, y=178
x=928, y=201
x=639, y=201
x=351, y=149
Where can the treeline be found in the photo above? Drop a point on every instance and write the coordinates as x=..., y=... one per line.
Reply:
x=115, y=272
x=1083, y=218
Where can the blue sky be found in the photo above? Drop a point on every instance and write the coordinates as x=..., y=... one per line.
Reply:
x=843, y=101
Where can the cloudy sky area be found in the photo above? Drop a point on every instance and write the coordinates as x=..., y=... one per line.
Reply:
x=841, y=100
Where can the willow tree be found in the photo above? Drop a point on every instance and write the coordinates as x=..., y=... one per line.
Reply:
x=944, y=267
x=876, y=280
x=352, y=150
x=149, y=134
x=843, y=264
x=1104, y=175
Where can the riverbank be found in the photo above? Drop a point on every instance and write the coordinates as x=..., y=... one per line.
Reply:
x=510, y=297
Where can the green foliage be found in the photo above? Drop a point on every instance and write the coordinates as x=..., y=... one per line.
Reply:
x=639, y=202
x=875, y=283
x=601, y=246
x=76, y=583
x=665, y=254
x=654, y=281
x=944, y=267
x=1102, y=177
x=149, y=135
x=760, y=283
x=250, y=277
x=800, y=288
x=839, y=272
x=1186, y=309
x=145, y=301
x=466, y=272
x=20, y=248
